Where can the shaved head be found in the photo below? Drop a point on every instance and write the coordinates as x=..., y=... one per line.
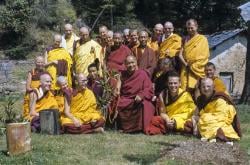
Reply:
x=117, y=39
x=68, y=26
x=45, y=81
x=39, y=58
x=84, y=33
x=130, y=58
x=126, y=31
x=143, y=33
x=168, y=28
x=57, y=37
x=158, y=26
x=82, y=81
x=207, y=87
x=110, y=34
x=57, y=40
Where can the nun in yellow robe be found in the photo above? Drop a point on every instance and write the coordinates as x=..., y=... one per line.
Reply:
x=196, y=54
x=217, y=114
x=58, y=54
x=172, y=44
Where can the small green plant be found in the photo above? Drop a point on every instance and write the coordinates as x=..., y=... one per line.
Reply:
x=10, y=114
x=108, y=91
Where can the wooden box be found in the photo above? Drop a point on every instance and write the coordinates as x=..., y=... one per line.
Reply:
x=50, y=121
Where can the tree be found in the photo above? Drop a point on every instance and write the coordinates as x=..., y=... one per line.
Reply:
x=14, y=16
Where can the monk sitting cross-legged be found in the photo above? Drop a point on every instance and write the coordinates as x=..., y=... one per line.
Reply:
x=81, y=114
x=135, y=109
x=177, y=107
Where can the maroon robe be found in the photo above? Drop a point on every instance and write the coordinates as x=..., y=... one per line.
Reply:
x=135, y=117
x=116, y=59
x=146, y=59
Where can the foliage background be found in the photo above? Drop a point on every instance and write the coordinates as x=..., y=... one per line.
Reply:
x=26, y=26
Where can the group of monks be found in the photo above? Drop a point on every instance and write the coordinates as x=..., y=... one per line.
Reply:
x=163, y=84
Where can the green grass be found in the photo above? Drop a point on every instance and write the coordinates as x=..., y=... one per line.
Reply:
x=109, y=148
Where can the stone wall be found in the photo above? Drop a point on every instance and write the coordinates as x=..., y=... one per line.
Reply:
x=13, y=76
x=233, y=59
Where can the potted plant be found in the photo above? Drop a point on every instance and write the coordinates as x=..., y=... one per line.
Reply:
x=18, y=132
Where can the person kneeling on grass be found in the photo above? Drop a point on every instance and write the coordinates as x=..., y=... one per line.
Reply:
x=217, y=117
x=177, y=107
x=81, y=114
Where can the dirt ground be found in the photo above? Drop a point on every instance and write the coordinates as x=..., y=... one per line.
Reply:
x=198, y=152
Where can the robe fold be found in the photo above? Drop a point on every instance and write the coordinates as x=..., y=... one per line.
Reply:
x=135, y=117
x=116, y=59
x=68, y=43
x=173, y=44
x=59, y=54
x=146, y=59
x=196, y=54
x=85, y=54
x=83, y=106
x=179, y=109
x=218, y=115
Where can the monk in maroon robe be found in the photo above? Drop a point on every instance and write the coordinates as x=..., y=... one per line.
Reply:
x=94, y=80
x=135, y=109
x=146, y=57
x=117, y=55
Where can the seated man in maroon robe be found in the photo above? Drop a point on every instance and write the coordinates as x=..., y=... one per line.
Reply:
x=146, y=57
x=134, y=107
x=117, y=55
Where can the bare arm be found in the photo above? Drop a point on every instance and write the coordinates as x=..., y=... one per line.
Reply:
x=32, y=105
x=182, y=58
x=67, y=112
x=28, y=82
x=118, y=85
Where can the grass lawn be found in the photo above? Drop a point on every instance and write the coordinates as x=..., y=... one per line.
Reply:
x=109, y=148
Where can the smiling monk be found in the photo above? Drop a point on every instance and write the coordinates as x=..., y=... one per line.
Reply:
x=177, y=107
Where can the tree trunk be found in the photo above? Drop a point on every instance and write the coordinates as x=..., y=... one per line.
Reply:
x=18, y=138
x=246, y=90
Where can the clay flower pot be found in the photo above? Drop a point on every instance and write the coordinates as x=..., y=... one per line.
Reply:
x=18, y=136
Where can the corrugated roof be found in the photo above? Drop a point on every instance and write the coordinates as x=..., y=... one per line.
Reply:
x=219, y=37
x=245, y=11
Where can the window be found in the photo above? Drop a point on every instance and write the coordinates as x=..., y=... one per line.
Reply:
x=227, y=78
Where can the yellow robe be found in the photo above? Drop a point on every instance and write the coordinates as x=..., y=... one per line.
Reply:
x=153, y=45
x=181, y=110
x=196, y=54
x=83, y=107
x=219, y=85
x=173, y=44
x=34, y=84
x=70, y=42
x=59, y=54
x=47, y=101
x=83, y=56
x=217, y=114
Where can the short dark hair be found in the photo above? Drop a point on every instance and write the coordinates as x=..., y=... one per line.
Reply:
x=210, y=64
x=172, y=74
x=92, y=65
